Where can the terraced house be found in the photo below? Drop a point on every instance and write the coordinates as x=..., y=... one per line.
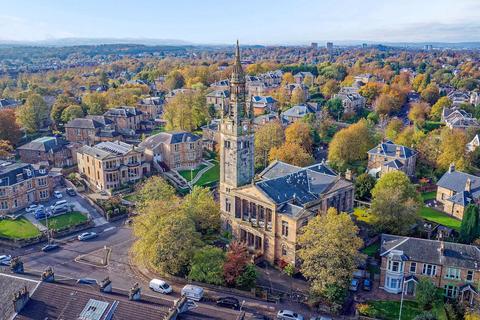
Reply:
x=22, y=184
x=109, y=165
x=453, y=267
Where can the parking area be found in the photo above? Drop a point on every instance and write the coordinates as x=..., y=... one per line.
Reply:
x=77, y=203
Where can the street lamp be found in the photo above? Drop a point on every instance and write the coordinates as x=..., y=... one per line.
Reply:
x=401, y=300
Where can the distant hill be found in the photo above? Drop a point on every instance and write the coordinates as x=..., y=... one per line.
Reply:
x=66, y=42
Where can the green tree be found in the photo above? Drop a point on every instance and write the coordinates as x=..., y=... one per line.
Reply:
x=33, y=114
x=335, y=108
x=203, y=210
x=72, y=112
x=426, y=293
x=393, y=128
x=95, y=103
x=291, y=153
x=395, y=203
x=364, y=184
x=329, y=253
x=469, y=229
x=266, y=137
x=153, y=189
x=298, y=96
x=174, y=80
x=207, y=265
x=437, y=108
x=186, y=111
x=247, y=279
x=61, y=103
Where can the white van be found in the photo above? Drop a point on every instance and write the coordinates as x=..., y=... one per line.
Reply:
x=58, y=203
x=192, y=292
x=160, y=286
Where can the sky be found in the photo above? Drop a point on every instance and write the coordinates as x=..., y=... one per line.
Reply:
x=251, y=21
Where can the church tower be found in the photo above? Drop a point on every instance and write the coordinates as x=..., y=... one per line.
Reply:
x=236, y=141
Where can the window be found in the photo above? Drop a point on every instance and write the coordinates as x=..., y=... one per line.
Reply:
x=469, y=276
x=228, y=205
x=285, y=228
x=451, y=291
x=413, y=267
x=175, y=147
x=2, y=192
x=452, y=273
x=192, y=146
x=15, y=203
x=284, y=250
x=227, y=144
x=3, y=205
x=395, y=266
x=429, y=270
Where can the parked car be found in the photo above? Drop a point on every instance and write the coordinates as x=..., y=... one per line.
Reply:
x=60, y=209
x=87, y=236
x=288, y=315
x=57, y=194
x=161, y=286
x=33, y=207
x=354, y=285
x=71, y=192
x=50, y=247
x=192, y=292
x=367, y=284
x=5, y=260
x=58, y=203
x=229, y=302
x=320, y=318
x=41, y=214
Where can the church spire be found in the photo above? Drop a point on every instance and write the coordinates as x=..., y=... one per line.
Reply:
x=237, y=75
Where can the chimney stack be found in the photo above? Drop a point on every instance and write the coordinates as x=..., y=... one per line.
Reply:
x=134, y=294
x=20, y=299
x=442, y=248
x=398, y=151
x=451, y=168
x=468, y=185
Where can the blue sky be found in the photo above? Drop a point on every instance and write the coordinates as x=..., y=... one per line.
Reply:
x=252, y=21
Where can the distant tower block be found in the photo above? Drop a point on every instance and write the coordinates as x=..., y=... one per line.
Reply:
x=329, y=46
x=314, y=45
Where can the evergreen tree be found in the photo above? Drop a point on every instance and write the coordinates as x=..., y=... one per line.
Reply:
x=469, y=227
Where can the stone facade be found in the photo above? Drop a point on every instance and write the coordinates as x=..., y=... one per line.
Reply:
x=53, y=151
x=22, y=184
x=109, y=165
x=388, y=157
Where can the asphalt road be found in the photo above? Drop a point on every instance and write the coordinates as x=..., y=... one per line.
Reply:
x=119, y=239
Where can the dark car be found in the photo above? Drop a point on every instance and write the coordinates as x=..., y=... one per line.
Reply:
x=229, y=302
x=71, y=192
x=367, y=285
x=50, y=247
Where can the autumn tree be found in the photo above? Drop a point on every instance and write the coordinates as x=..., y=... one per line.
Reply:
x=351, y=144
x=300, y=133
x=186, y=111
x=153, y=189
x=6, y=149
x=431, y=94
x=236, y=262
x=207, y=266
x=72, y=112
x=371, y=91
x=95, y=103
x=287, y=78
x=410, y=137
x=200, y=206
x=453, y=149
x=418, y=113
x=33, y=114
x=61, y=103
x=329, y=253
x=385, y=104
x=394, y=127
x=266, y=137
x=437, y=108
x=291, y=153
x=174, y=80
x=298, y=96
x=330, y=88
x=9, y=129
x=395, y=203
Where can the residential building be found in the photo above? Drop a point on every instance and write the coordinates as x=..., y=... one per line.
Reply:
x=110, y=165
x=266, y=214
x=127, y=119
x=211, y=135
x=174, y=92
x=255, y=86
x=22, y=184
x=474, y=144
x=388, y=156
x=176, y=150
x=218, y=98
x=459, y=97
x=475, y=98
x=363, y=78
x=53, y=151
x=272, y=79
x=152, y=107
x=266, y=118
x=456, y=189
x=263, y=104
x=352, y=101
x=301, y=76
x=221, y=85
x=456, y=118
x=298, y=112
x=452, y=267
x=91, y=130
x=292, y=86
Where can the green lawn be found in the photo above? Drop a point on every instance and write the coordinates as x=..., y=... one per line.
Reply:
x=66, y=220
x=372, y=249
x=429, y=195
x=132, y=197
x=389, y=310
x=440, y=217
x=191, y=174
x=362, y=215
x=212, y=175
x=18, y=229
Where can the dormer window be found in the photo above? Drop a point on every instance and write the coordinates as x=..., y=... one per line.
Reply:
x=395, y=266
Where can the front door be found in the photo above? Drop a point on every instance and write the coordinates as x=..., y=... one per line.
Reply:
x=411, y=288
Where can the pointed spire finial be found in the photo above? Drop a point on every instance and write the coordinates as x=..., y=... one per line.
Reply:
x=237, y=74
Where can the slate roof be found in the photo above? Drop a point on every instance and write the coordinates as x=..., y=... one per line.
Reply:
x=9, y=172
x=219, y=94
x=389, y=149
x=457, y=181
x=10, y=285
x=125, y=111
x=108, y=148
x=8, y=103
x=395, y=164
x=263, y=99
x=298, y=111
x=45, y=144
x=287, y=183
x=67, y=301
x=90, y=122
x=265, y=118
x=168, y=138
x=429, y=251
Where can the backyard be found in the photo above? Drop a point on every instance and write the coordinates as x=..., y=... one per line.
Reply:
x=389, y=310
x=189, y=175
x=212, y=175
x=66, y=220
x=433, y=215
x=18, y=229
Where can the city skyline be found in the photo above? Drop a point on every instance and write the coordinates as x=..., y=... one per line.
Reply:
x=266, y=22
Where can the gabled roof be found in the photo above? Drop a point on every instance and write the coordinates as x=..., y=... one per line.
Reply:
x=298, y=111
x=219, y=94
x=263, y=99
x=168, y=138
x=456, y=181
x=107, y=149
x=395, y=164
x=125, y=111
x=429, y=251
x=14, y=172
x=389, y=149
x=45, y=144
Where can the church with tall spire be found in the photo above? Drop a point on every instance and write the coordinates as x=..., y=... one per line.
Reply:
x=266, y=211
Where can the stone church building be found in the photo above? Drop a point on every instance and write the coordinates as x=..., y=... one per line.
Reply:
x=266, y=212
